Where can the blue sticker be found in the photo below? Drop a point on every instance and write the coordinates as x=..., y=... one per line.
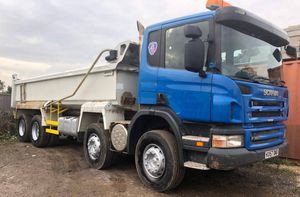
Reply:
x=152, y=48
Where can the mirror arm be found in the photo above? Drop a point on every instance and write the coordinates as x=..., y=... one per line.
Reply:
x=202, y=74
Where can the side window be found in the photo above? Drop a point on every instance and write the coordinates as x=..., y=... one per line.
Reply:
x=175, y=42
x=154, y=48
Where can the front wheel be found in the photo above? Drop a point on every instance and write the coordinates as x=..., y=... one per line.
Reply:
x=157, y=160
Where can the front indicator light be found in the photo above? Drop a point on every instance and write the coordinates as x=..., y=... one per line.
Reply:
x=245, y=89
x=227, y=141
x=200, y=144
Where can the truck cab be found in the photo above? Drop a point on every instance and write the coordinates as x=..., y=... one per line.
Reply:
x=226, y=93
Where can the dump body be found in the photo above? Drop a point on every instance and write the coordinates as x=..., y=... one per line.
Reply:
x=108, y=82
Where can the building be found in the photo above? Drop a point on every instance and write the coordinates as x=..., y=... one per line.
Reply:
x=294, y=34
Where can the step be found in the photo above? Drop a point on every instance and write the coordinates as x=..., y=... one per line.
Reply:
x=52, y=123
x=195, y=165
x=52, y=131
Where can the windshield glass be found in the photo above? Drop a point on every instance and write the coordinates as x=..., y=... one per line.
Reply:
x=246, y=57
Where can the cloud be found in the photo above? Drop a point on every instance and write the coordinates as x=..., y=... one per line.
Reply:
x=278, y=12
x=24, y=69
x=71, y=33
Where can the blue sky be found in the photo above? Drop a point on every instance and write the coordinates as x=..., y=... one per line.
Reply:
x=44, y=36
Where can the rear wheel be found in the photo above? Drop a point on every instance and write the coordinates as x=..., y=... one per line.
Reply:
x=24, y=128
x=39, y=138
x=96, y=147
x=157, y=160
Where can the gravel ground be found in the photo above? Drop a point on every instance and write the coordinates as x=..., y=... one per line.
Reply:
x=62, y=171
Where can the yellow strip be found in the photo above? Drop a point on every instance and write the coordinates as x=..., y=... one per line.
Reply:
x=52, y=131
x=50, y=112
x=52, y=123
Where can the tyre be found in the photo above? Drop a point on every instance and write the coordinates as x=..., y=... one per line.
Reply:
x=96, y=147
x=53, y=140
x=39, y=138
x=157, y=160
x=24, y=128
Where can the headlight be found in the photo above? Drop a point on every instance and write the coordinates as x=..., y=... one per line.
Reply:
x=227, y=141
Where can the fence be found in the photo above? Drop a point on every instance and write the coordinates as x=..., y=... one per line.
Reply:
x=4, y=102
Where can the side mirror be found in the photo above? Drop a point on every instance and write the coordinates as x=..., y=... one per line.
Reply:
x=194, y=50
x=277, y=55
x=291, y=51
x=113, y=55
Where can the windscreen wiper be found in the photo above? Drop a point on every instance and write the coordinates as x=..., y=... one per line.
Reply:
x=276, y=82
x=245, y=75
x=246, y=78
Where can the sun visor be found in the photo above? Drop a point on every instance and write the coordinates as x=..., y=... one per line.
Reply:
x=252, y=25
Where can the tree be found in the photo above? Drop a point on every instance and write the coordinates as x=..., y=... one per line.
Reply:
x=2, y=86
x=8, y=91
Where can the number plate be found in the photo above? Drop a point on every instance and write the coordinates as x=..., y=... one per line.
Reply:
x=271, y=153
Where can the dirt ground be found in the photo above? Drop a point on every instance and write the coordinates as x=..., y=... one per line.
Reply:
x=62, y=171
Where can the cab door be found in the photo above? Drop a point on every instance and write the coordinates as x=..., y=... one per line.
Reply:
x=188, y=94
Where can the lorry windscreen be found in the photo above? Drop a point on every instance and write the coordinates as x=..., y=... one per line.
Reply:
x=248, y=58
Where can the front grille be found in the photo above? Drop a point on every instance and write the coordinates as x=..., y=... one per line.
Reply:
x=266, y=114
x=265, y=109
x=265, y=141
x=259, y=137
x=264, y=124
x=264, y=138
x=267, y=103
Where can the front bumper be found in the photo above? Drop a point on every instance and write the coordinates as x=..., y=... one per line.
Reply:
x=227, y=159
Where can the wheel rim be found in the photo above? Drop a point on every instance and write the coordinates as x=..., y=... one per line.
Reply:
x=35, y=131
x=94, y=146
x=22, y=127
x=153, y=161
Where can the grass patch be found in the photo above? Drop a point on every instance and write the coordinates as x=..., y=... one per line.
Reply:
x=7, y=138
x=7, y=127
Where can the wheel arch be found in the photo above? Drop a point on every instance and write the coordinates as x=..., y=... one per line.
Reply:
x=143, y=121
x=27, y=112
x=95, y=112
x=88, y=118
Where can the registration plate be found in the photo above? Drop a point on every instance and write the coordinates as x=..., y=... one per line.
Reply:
x=271, y=153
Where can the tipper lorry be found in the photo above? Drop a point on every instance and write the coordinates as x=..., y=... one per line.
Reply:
x=202, y=91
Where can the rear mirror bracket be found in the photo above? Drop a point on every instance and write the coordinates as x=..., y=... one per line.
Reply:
x=202, y=74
